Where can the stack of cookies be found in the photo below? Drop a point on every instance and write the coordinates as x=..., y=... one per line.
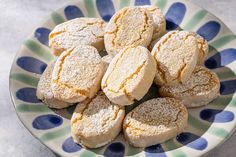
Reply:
x=140, y=52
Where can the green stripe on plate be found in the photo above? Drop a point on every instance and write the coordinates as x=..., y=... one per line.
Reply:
x=172, y=146
x=24, y=78
x=32, y=108
x=194, y=122
x=38, y=50
x=233, y=102
x=212, y=49
x=90, y=152
x=219, y=132
x=221, y=42
x=133, y=151
x=195, y=20
x=224, y=73
x=224, y=101
x=55, y=134
x=57, y=18
x=124, y=3
x=90, y=8
x=161, y=4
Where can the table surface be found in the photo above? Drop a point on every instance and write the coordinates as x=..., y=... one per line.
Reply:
x=17, y=18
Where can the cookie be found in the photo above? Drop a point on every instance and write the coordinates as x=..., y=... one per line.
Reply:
x=106, y=60
x=159, y=21
x=79, y=31
x=203, y=48
x=152, y=44
x=129, y=75
x=201, y=88
x=44, y=91
x=155, y=121
x=77, y=74
x=176, y=54
x=128, y=26
x=96, y=122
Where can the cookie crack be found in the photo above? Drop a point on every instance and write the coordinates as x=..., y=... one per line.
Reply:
x=145, y=27
x=84, y=27
x=180, y=72
x=162, y=43
x=176, y=119
x=100, y=37
x=123, y=53
x=132, y=75
x=117, y=28
x=105, y=122
x=115, y=22
x=53, y=34
x=127, y=94
x=134, y=128
x=58, y=80
x=77, y=119
x=210, y=82
x=122, y=86
x=202, y=47
x=161, y=72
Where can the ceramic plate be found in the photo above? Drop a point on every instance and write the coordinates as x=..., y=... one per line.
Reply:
x=207, y=127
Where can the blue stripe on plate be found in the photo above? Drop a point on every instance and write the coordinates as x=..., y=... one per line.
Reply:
x=209, y=30
x=72, y=12
x=42, y=35
x=175, y=15
x=31, y=64
x=105, y=8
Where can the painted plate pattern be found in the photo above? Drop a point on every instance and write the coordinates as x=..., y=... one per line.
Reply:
x=207, y=127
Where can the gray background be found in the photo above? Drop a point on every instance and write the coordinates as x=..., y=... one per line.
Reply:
x=17, y=19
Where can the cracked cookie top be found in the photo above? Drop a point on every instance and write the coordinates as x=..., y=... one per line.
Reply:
x=77, y=74
x=44, y=91
x=203, y=48
x=164, y=114
x=96, y=116
x=128, y=26
x=199, y=89
x=159, y=21
x=79, y=31
x=96, y=122
x=129, y=75
x=176, y=54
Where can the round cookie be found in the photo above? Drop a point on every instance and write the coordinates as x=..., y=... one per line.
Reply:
x=44, y=91
x=203, y=48
x=96, y=122
x=129, y=75
x=159, y=21
x=77, y=74
x=128, y=26
x=201, y=88
x=166, y=118
x=176, y=54
x=79, y=31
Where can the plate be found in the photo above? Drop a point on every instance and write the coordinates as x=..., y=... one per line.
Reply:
x=208, y=126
